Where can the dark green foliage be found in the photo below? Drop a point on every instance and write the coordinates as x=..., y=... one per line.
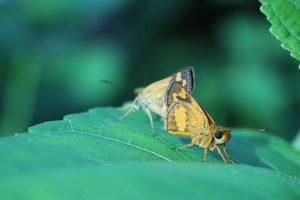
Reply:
x=284, y=16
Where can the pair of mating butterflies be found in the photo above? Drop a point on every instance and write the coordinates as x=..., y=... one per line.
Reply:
x=171, y=99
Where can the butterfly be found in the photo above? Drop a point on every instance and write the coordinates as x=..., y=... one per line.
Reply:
x=187, y=118
x=152, y=98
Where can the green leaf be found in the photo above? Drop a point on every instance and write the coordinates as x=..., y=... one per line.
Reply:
x=284, y=16
x=151, y=181
x=96, y=155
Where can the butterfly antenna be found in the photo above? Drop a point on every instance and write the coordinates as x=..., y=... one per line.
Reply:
x=250, y=129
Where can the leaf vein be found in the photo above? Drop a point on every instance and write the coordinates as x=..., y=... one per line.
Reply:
x=122, y=142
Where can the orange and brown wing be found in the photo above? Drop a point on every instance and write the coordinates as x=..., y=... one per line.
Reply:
x=154, y=95
x=186, y=78
x=185, y=116
x=184, y=120
x=176, y=93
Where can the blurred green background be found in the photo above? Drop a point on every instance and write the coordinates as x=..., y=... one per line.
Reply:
x=60, y=57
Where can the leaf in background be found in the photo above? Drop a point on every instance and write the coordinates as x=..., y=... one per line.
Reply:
x=79, y=13
x=284, y=16
x=241, y=35
x=22, y=84
x=79, y=71
x=95, y=154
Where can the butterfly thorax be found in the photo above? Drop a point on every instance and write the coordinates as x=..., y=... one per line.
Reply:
x=215, y=135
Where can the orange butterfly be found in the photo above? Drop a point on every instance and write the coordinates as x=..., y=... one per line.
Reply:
x=187, y=118
x=152, y=98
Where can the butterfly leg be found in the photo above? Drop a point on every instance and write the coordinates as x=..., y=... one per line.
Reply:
x=133, y=106
x=150, y=118
x=227, y=155
x=185, y=146
x=205, y=159
x=220, y=153
x=193, y=142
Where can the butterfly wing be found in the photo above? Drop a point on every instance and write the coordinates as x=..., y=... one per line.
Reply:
x=185, y=116
x=186, y=78
x=153, y=96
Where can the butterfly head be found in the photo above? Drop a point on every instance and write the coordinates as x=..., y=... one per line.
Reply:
x=221, y=135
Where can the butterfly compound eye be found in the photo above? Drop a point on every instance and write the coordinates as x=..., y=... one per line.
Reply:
x=218, y=135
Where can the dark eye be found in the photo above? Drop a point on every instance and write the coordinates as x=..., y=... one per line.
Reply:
x=218, y=134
